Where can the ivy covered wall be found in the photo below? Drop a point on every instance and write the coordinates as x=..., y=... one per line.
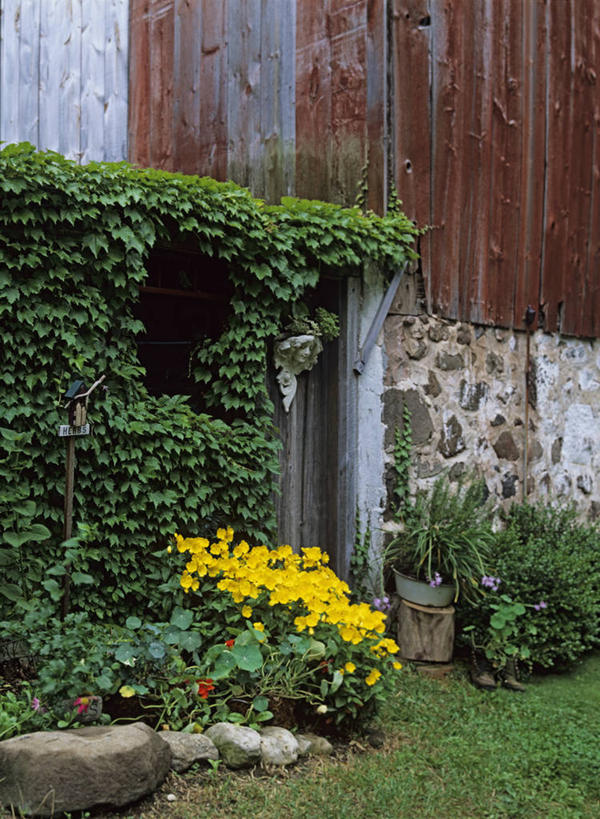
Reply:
x=74, y=245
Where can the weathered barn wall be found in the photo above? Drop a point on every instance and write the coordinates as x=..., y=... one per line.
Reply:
x=465, y=388
x=496, y=135
x=485, y=115
x=63, y=76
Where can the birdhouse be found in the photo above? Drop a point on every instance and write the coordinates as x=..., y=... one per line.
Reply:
x=77, y=397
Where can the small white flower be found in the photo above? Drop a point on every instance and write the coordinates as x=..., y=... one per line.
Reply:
x=321, y=709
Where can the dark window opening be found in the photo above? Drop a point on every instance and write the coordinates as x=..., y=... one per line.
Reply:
x=184, y=300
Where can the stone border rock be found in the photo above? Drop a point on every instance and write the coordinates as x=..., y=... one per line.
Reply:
x=49, y=772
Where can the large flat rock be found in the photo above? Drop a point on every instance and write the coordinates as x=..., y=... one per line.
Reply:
x=49, y=772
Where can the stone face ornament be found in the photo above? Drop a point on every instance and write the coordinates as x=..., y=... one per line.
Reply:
x=292, y=356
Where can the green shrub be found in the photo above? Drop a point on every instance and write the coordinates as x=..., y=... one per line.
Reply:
x=545, y=556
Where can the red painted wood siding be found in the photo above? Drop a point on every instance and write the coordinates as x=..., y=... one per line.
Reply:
x=485, y=114
x=496, y=142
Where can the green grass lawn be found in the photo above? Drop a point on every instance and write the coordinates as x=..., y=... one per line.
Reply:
x=450, y=751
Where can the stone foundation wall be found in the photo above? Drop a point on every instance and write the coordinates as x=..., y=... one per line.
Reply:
x=465, y=387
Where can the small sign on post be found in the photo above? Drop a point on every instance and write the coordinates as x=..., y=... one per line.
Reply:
x=77, y=400
x=67, y=431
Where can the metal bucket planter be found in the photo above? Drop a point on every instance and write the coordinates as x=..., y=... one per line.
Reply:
x=420, y=592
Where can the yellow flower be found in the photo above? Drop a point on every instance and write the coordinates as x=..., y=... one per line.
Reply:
x=374, y=675
x=349, y=667
x=247, y=611
x=169, y=549
x=258, y=626
x=186, y=581
x=241, y=549
x=397, y=666
x=126, y=691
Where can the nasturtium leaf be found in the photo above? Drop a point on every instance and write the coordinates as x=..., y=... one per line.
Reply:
x=157, y=650
x=247, y=657
x=125, y=654
x=182, y=618
x=190, y=640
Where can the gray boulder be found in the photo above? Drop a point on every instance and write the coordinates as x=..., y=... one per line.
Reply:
x=313, y=745
x=238, y=745
x=278, y=746
x=189, y=748
x=47, y=773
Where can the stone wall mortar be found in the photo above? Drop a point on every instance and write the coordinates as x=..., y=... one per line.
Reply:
x=465, y=387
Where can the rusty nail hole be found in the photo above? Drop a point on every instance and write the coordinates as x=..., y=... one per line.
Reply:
x=408, y=166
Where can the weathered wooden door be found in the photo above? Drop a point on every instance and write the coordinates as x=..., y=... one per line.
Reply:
x=317, y=500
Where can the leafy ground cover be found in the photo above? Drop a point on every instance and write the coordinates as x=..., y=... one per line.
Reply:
x=450, y=751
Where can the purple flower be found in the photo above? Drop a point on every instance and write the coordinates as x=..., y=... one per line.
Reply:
x=436, y=581
x=35, y=704
x=541, y=605
x=490, y=582
x=381, y=604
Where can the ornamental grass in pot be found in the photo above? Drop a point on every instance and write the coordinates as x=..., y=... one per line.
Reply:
x=445, y=542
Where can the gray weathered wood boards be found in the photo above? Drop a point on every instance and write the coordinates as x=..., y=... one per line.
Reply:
x=319, y=436
x=63, y=76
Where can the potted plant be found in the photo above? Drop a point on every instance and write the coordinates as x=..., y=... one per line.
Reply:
x=444, y=546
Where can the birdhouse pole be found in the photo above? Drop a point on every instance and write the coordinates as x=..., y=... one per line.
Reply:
x=77, y=400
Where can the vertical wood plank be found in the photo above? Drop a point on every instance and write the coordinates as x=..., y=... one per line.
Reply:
x=277, y=121
x=411, y=29
x=162, y=58
x=212, y=136
x=559, y=161
x=139, y=120
x=331, y=106
x=532, y=115
x=92, y=81
x=348, y=156
x=313, y=100
x=116, y=101
x=60, y=77
x=10, y=43
x=584, y=93
x=448, y=86
x=243, y=92
x=28, y=72
x=187, y=67
x=590, y=321
x=347, y=420
x=478, y=167
x=377, y=95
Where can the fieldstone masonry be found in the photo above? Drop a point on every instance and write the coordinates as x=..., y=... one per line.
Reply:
x=465, y=388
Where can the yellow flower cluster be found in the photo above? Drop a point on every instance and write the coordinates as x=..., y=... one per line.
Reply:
x=287, y=578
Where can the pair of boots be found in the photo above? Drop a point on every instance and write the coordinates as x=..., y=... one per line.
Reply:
x=484, y=676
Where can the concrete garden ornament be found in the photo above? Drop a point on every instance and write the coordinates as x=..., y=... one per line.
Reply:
x=292, y=356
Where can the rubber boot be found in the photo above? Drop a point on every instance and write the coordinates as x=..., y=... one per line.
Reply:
x=482, y=674
x=510, y=677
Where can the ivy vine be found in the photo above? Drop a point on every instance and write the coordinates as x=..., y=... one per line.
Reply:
x=74, y=246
